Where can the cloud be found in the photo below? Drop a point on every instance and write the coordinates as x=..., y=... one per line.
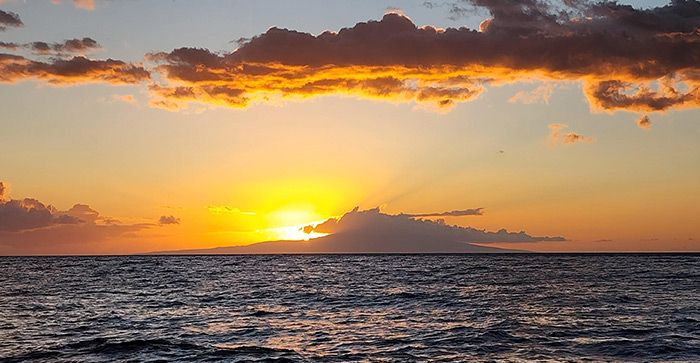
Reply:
x=454, y=213
x=127, y=98
x=627, y=58
x=9, y=20
x=371, y=231
x=644, y=122
x=375, y=223
x=540, y=94
x=168, y=220
x=557, y=137
x=71, y=46
x=9, y=46
x=223, y=209
x=28, y=214
x=80, y=4
x=76, y=70
x=28, y=225
x=84, y=4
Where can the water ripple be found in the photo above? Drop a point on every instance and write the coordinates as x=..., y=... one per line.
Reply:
x=618, y=307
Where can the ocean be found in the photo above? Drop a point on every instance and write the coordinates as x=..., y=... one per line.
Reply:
x=346, y=308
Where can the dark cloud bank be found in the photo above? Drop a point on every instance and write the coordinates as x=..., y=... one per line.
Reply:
x=371, y=231
x=627, y=58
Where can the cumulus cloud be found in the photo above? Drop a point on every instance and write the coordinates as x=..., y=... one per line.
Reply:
x=31, y=226
x=454, y=213
x=9, y=20
x=76, y=70
x=644, y=122
x=627, y=58
x=28, y=214
x=374, y=222
x=163, y=220
x=371, y=231
x=71, y=46
x=557, y=136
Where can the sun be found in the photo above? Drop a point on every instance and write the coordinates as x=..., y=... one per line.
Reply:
x=292, y=222
x=296, y=233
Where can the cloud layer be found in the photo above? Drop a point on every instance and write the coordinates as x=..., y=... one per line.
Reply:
x=640, y=60
x=627, y=58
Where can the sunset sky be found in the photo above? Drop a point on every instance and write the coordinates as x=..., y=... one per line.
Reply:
x=145, y=126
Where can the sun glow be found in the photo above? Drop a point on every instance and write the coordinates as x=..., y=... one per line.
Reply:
x=292, y=222
x=296, y=233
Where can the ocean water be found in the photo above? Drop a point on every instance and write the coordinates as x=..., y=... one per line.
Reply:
x=523, y=307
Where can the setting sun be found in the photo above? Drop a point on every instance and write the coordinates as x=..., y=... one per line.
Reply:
x=292, y=223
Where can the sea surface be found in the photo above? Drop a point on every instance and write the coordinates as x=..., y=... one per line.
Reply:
x=344, y=308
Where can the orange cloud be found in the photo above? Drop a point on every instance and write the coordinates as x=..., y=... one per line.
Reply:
x=644, y=122
x=611, y=48
x=80, y=4
x=631, y=59
x=14, y=68
x=163, y=220
x=84, y=4
x=128, y=98
x=557, y=137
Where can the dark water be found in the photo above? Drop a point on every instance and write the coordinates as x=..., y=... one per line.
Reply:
x=351, y=308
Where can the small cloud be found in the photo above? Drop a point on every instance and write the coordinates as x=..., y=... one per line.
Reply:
x=9, y=20
x=394, y=10
x=80, y=4
x=556, y=136
x=644, y=123
x=128, y=98
x=540, y=94
x=163, y=220
x=223, y=209
x=68, y=47
x=76, y=70
x=454, y=213
x=84, y=4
